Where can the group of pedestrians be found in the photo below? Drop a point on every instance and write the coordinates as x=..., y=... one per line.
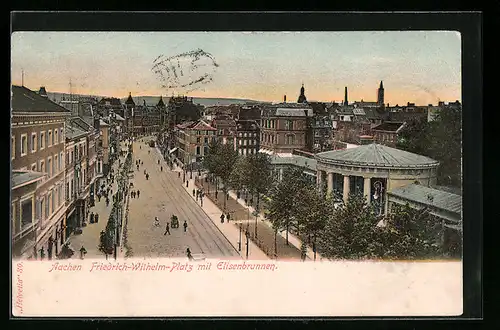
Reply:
x=135, y=193
x=227, y=217
x=156, y=223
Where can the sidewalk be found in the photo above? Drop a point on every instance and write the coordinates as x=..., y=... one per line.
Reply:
x=294, y=240
x=90, y=237
x=229, y=230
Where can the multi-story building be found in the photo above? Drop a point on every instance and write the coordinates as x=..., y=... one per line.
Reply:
x=247, y=137
x=322, y=131
x=387, y=133
x=284, y=127
x=38, y=173
x=192, y=141
x=226, y=128
x=103, y=144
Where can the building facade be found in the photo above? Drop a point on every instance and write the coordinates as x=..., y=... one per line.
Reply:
x=284, y=127
x=38, y=174
x=192, y=141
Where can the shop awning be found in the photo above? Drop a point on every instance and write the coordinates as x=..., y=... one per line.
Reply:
x=173, y=150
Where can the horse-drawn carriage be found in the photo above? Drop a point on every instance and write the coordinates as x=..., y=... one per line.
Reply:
x=174, y=221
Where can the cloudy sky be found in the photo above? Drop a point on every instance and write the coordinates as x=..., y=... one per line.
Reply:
x=420, y=67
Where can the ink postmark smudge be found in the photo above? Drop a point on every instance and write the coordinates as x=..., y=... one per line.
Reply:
x=185, y=72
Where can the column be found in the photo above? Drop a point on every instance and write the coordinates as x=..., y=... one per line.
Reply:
x=319, y=178
x=346, y=188
x=330, y=183
x=367, y=190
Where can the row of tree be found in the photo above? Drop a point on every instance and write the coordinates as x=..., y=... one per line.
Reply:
x=337, y=230
x=440, y=139
x=108, y=235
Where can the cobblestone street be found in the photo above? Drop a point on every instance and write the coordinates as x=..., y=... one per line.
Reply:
x=163, y=196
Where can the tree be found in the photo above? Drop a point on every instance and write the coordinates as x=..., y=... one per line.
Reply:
x=104, y=243
x=239, y=178
x=285, y=200
x=350, y=231
x=440, y=139
x=411, y=234
x=258, y=174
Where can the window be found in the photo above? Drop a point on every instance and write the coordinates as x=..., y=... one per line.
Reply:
x=206, y=140
x=289, y=125
x=52, y=200
x=205, y=150
x=42, y=140
x=33, y=142
x=198, y=140
x=67, y=191
x=56, y=163
x=290, y=139
x=33, y=167
x=49, y=166
x=27, y=212
x=198, y=150
x=13, y=151
x=56, y=136
x=46, y=203
x=50, y=142
x=60, y=164
x=42, y=166
x=24, y=144
x=61, y=135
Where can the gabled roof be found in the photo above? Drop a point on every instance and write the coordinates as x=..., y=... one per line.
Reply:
x=376, y=155
x=202, y=126
x=25, y=100
x=429, y=196
x=130, y=101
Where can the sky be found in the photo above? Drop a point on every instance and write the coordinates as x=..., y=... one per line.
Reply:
x=422, y=67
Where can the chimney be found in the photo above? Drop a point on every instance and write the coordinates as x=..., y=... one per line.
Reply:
x=284, y=98
x=42, y=92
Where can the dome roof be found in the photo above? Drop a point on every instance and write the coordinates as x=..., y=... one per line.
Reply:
x=376, y=155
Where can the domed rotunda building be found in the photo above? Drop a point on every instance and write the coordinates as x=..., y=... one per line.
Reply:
x=372, y=170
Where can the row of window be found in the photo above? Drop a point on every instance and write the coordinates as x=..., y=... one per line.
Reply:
x=247, y=151
x=52, y=166
x=205, y=140
x=38, y=141
x=29, y=210
x=268, y=123
x=244, y=142
x=247, y=134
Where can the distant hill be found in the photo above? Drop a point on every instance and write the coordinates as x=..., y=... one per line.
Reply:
x=152, y=100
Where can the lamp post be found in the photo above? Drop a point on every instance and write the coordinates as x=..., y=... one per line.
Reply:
x=247, y=234
x=239, y=242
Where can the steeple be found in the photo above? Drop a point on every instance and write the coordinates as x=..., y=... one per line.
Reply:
x=130, y=101
x=380, y=98
x=302, y=97
x=160, y=103
x=345, y=97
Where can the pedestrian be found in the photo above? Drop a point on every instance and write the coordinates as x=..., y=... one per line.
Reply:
x=179, y=174
x=189, y=255
x=194, y=192
x=167, y=229
x=99, y=197
x=222, y=218
x=158, y=162
x=131, y=194
x=83, y=252
x=228, y=217
x=216, y=194
x=161, y=168
x=157, y=222
x=42, y=253
x=107, y=201
x=92, y=217
x=185, y=225
x=144, y=171
x=147, y=176
x=96, y=218
x=138, y=193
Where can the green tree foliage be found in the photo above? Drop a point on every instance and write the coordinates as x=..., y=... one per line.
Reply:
x=220, y=161
x=285, y=204
x=258, y=174
x=440, y=139
x=239, y=178
x=105, y=244
x=411, y=234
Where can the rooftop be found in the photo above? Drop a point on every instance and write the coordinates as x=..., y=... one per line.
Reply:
x=72, y=132
x=430, y=196
x=296, y=160
x=25, y=100
x=376, y=155
x=19, y=178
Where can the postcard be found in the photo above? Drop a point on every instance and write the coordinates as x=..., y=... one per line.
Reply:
x=249, y=174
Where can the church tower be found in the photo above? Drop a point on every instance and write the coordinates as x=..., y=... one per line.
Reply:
x=345, y=97
x=302, y=96
x=380, y=99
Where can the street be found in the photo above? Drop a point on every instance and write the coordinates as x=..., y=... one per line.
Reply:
x=163, y=196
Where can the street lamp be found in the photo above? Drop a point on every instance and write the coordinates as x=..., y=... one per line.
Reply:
x=239, y=242
x=256, y=213
x=247, y=234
